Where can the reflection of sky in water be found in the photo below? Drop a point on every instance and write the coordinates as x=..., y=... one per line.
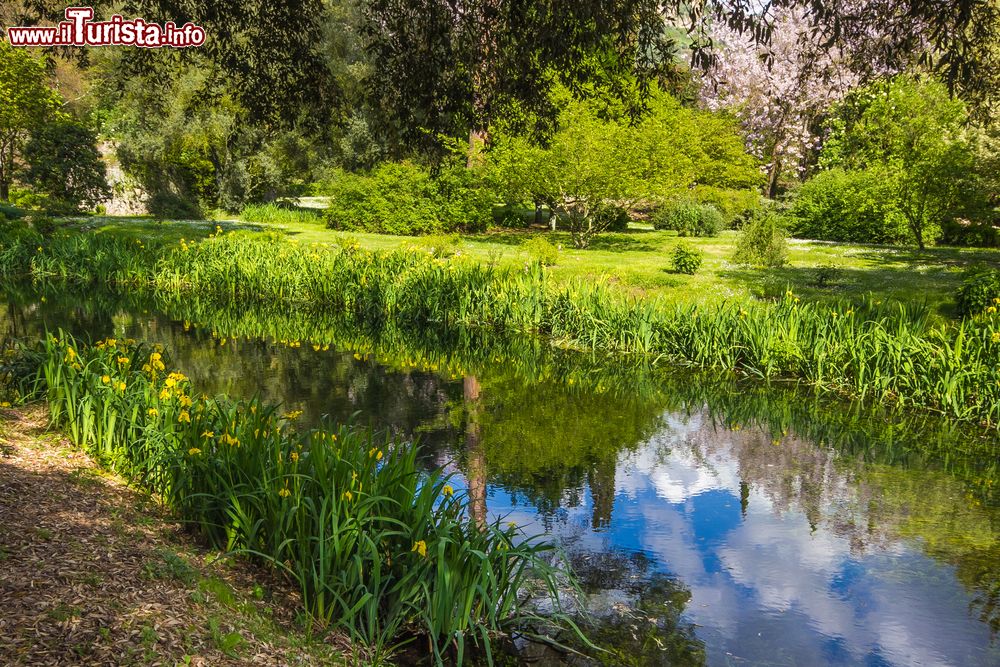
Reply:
x=766, y=587
x=770, y=583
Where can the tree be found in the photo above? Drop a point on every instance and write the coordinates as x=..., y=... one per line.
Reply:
x=593, y=162
x=779, y=91
x=63, y=162
x=451, y=67
x=27, y=103
x=918, y=137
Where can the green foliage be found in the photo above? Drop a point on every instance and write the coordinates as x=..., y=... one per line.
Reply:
x=686, y=259
x=912, y=133
x=593, y=159
x=28, y=103
x=979, y=292
x=377, y=547
x=612, y=218
x=404, y=198
x=188, y=142
x=849, y=206
x=168, y=205
x=761, y=242
x=688, y=218
x=11, y=212
x=731, y=203
x=279, y=214
x=874, y=351
x=64, y=164
x=541, y=250
x=440, y=245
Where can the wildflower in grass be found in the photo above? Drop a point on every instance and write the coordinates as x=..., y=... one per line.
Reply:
x=106, y=379
x=347, y=495
x=446, y=490
x=185, y=401
x=294, y=456
x=165, y=394
x=194, y=451
x=184, y=417
x=375, y=453
x=152, y=412
x=121, y=387
x=991, y=310
x=39, y=248
x=208, y=435
x=122, y=360
x=512, y=525
x=420, y=547
x=996, y=337
x=284, y=493
x=70, y=354
x=5, y=404
x=170, y=382
x=294, y=414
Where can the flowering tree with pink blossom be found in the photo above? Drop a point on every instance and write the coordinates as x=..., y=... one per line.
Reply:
x=779, y=92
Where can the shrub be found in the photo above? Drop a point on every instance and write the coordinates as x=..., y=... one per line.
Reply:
x=979, y=292
x=689, y=218
x=732, y=204
x=761, y=242
x=43, y=224
x=278, y=214
x=11, y=212
x=541, y=251
x=440, y=245
x=403, y=198
x=849, y=206
x=686, y=259
x=973, y=233
x=168, y=205
x=612, y=218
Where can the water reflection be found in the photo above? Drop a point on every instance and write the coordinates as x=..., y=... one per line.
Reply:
x=712, y=521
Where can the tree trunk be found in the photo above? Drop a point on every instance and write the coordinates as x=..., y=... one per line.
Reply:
x=773, y=172
x=4, y=189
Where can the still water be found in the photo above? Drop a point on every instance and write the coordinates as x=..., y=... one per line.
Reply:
x=712, y=521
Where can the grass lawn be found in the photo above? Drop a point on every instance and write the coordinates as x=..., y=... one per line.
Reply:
x=639, y=261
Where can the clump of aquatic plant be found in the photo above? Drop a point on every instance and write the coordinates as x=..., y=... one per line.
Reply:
x=376, y=547
x=876, y=351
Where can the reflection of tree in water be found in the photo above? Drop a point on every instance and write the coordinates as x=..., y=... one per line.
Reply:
x=548, y=425
x=870, y=505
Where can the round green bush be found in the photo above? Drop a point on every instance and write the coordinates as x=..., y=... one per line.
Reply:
x=686, y=260
x=541, y=251
x=615, y=217
x=979, y=292
x=689, y=218
x=761, y=243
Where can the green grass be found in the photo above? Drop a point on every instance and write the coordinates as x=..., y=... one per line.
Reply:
x=638, y=261
x=872, y=348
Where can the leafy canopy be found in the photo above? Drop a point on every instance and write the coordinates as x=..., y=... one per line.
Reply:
x=27, y=103
x=593, y=161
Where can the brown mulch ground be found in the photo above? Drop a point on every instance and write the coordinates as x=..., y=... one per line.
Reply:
x=94, y=573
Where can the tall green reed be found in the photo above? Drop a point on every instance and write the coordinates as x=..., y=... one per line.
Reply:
x=376, y=547
x=879, y=352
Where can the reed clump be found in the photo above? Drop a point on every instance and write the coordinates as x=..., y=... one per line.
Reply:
x=885, y=352
x=377, y=547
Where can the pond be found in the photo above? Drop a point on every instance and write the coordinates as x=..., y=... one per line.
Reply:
x=712, y=520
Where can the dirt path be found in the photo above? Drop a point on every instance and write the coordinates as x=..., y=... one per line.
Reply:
x=93, y=573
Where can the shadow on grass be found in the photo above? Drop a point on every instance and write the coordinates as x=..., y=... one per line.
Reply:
x=628, y=241
x=899, y=282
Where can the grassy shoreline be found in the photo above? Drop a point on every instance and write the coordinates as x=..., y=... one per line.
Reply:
x=638, y=261
x=883, y=352
x=116, y=580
